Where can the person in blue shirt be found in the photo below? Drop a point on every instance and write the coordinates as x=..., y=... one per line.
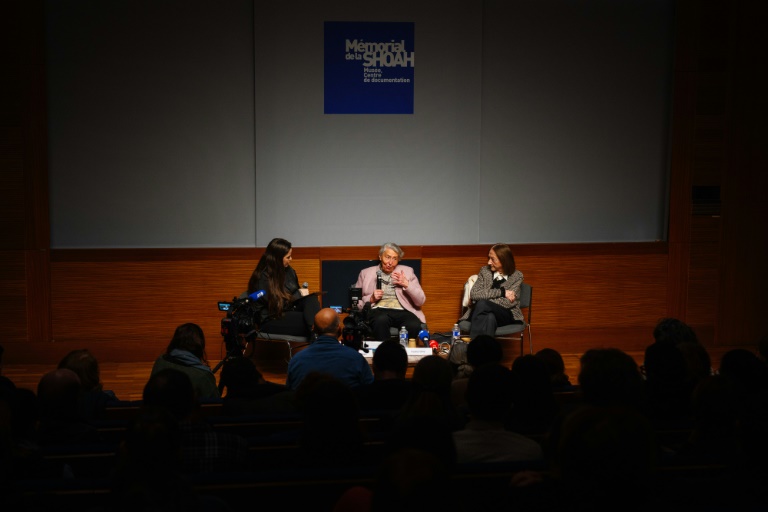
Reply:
x=328, y=355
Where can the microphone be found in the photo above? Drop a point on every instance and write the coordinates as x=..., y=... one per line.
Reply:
x=257, y=295
x=424, y=337
x=434, y=346
x=378, y=279
x=305, y=284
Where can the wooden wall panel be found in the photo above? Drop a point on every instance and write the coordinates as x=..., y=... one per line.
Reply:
x=125, y=304
x=13, y=313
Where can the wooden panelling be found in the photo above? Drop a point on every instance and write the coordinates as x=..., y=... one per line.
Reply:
x=125, y=304
x=13, y=313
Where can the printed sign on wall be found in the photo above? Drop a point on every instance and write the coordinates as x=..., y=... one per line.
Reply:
x=369, y=67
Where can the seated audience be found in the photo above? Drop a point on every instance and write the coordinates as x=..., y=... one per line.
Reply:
x=186, y=353
x=326, y=354
x=411, y=479
x=556, y=367
x=389, y=389
x=93, y=398
x=604, y=460
x=59, y=419
x=149, y=473
x=20, y=455
x=745, y=370
x=458, y=359
x=610, y=377
x=431, y=394
x=713, y=438
x=330, y=429
x=605, y=456
x=673, y=331
x=484, y=438
x=482, y=350
x=246, y=391
x=697, y=361
x=668, y=386
x=203, y=450
x=534, y=404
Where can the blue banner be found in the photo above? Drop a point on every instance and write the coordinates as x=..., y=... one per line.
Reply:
x=369, y=67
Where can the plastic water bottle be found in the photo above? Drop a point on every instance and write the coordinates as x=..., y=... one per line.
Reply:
x=404, y=337
x=456, y=333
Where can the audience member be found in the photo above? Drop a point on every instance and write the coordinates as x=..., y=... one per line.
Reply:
x=674, y=331
x=482, y=350
x=748, y=376
x=389, y=389
x=186, y=353
x=93, y=398
x=668, y=385
x=59, y=421
x=556, y=367
x=328, y=355
x=697, y=361
x=604, y=460
x=246, y=391
x=203, y=449
x=457, y=357
x=485, y=438
x=610, y=377
x=20, y=454
x=715, y=412
x=330, y=430
x=730, y=433
x=149, y=474
x=745, y=370
x=534, y=405
x=412, y=479
x=606, y=456
x=752, y=473
x=431, y=393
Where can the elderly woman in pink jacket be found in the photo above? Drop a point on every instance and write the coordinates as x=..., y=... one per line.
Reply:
x=394, y=294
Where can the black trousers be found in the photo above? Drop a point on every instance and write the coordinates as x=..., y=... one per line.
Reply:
x=381, y=319
x=296, y=321
x=487, y=316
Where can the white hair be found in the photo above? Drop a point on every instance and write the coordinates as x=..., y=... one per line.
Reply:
x=393, y=246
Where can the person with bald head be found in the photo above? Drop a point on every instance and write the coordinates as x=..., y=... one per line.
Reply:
x=328, y=355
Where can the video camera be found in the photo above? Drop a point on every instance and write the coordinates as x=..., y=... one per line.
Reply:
x=356, y=323
x=240, y=323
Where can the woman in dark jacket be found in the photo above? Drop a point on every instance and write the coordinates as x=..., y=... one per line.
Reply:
x=285, y=307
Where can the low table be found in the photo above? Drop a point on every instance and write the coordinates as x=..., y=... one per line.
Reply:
x=414, y=353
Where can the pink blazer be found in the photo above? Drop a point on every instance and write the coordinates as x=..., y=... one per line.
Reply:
x=411, y=299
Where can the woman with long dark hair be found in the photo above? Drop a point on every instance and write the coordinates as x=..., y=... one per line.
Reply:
x=186, y=353
x=286, y=307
